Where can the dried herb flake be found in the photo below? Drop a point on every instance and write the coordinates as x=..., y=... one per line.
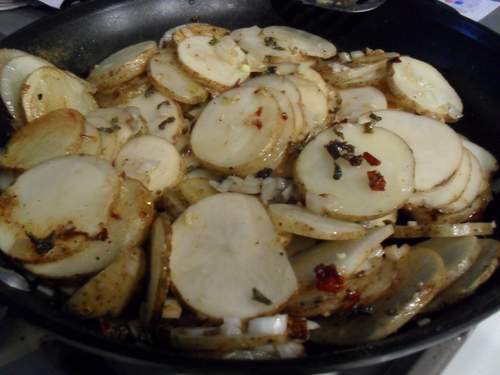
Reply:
x=259, y=297
x=271, y=42
x=165, y=122
x=42, y=245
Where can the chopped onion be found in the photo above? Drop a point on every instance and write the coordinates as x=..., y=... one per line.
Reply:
x=269, y=325
x=231, y=327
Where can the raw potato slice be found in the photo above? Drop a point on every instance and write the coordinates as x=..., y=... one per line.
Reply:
x=358, y=101
x=448, y=192
x=482, y=269
x=200, y=59
x=159, y=274
x=169, y=78
x=189, y=30
x=236, y=130
x=291, y=91
x=55, y=134
x=347, y=256
x=49, y=88
x=314, y=104
x=458, y=254
x=122, y=65
x=299, y=244
x=127, y=229
x=7, y=54
x=487, y=161
x=420, y=277
x=163, y=116
x=301, y=41
x=119, y=95
x=437, y=149
x=444, y=230
x=12, y=77
x=350, y=197
x=107, y=293
x=72, y=192
x=298, y=220
x=151, y=160
x=471, y=191
x=226, y=260
x=420, y=87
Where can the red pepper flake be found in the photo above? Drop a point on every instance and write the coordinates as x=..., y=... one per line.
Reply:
x=258, y=112
x=376, y=181
x=115, y=215
x=257, y=123
x=102, y=235
x=297, y=328
x=328, y=279
x=352, y=296
x=372, y=160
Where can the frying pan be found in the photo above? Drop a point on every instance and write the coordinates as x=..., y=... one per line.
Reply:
x=465, y=52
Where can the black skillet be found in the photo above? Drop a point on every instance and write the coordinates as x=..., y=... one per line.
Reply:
x=467, y=53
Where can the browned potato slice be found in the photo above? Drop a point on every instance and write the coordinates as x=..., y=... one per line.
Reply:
x=57, y=133
x=107, y=293
x=123, y=93
x=444, y=230
x=192, y=29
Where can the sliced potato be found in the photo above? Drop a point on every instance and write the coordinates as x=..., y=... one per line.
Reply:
x=91, y=140
x=229, y=263
x=447, y=192
x=480, y=271
x=298, y=220
x=301, y=41
x=444, y=230
x=159, y=273
x=420, y=87
x=437, y=149
x=169, y=78
x=358, y=101
x=7, y=54
x=163, y=116
x=123, y=93
x=189, y=30
x=420, y=276
x=299, y=244
x=49, y=88
x=195, y=189
x=107, y=293
x=347, y=256
x=199, y=58
x=350, y=197
x=12, y=77
x=171, y=309
x=487, y=161
x=354, y=75
x=81, y=188
x=127, y=228
x=390, y=218
x=122, y=65
x=55, y=134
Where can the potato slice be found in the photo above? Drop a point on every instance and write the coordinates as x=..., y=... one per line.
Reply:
x=198, y=56
x=182, y=32
x=55, y=134
x=354, y=75
x=12, y=77
x=350, y=196
x=420, y=277
x=358, y=101
x=291, y=91
x=82, y=188
x=169, y=78
x=126, y=229
x=109, y=292
x=171, y=309
x=229, y=263
x=458, y=254
x=298, y=220
x=7, y=54
x=122, y=65
x=347, y=256
x=123, y=93
x=91, y=140
x=237, y=129
x=150, y=160
x=193, y=190
x=420, y=87
x=314, y=103
x=49, y=88
x=159, y=273
x=448, y=192
x=299, y=244
x=487, y=161
x=471, y=191
x=437, y=149
x=480, y=271
x=444, y=230
x=163, y=116
x=390, y=218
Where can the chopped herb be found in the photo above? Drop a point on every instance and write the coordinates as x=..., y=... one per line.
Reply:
x=264, y=173
x=109, y=130
x=40, y=96
x=42, y=245
x=164, y=123
x=337, y=174
x=272, y=69
x=166, y=103
x=376, y=181
x=259, y=297
x=368, y=127
x=338, y=133
x=374, y=117
x=354, y=160
x=114, y=120
x=271, y=42
x=372, y=160
x=213, y=41
x=149, y=91
x=338, y=149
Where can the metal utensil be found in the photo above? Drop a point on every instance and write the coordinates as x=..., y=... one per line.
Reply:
x=13, y=279
x=348, y=6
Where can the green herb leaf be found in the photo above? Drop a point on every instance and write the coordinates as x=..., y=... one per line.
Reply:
x=259, y=297
x=337, y=173
x=213, y=41
x=149, y=91
x=42, y=245
x=165, y=122
x=271, y=42
x=165, y=103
